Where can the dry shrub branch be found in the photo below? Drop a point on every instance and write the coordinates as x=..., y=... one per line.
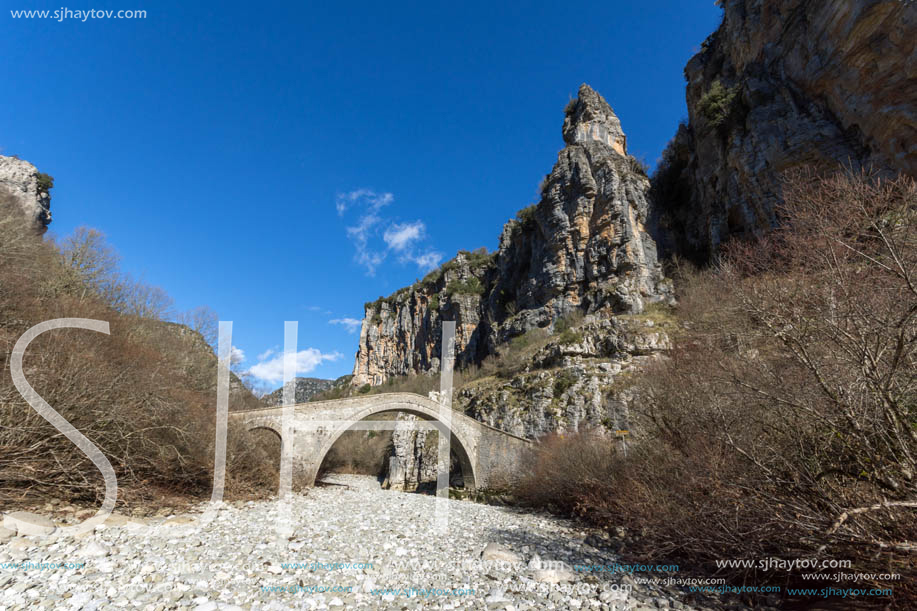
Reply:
x=784, y=422
x=145, y=394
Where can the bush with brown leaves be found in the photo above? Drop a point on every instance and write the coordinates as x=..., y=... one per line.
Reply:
x=784, y=422
x=145, y=394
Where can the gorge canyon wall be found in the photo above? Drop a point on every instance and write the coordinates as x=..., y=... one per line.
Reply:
x=785, y=84
x=780, y=85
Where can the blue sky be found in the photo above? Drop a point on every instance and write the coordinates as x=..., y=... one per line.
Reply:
x=292, y=161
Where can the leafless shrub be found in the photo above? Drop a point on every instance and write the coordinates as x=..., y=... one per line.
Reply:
x=253, y=462
x=783, y=423
x=145, y=394
x=568, y=471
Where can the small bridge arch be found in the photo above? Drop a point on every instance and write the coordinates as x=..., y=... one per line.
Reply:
x=266, y=427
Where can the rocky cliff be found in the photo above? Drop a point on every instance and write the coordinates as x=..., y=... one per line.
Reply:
x=578, y=377
x=305, y=389
x=584, y=247
x=783, y=84
x=28, y=188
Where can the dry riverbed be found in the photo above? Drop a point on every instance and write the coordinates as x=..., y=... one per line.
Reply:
x=352, y=545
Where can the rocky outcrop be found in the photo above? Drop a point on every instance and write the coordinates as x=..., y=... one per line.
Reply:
x=584, y=247
x=575, y=380
x=583, y=250
x=578, y=378
x=412, y=460
x=780, y=85
x=401, y=334
x=305, y=389
x=28, y=189
x=783, y=84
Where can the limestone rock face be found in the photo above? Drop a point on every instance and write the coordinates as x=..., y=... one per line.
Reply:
x=22, y=180
x=574, y=382
x=401, y=334
x=782, y=84
x=412, y=461
x=304, y=390
x=589, y=117
x=584, y=247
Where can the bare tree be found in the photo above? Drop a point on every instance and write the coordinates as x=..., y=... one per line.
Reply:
x=204, y=320
x=147, y=301
x=87, y=252
x=143, y=394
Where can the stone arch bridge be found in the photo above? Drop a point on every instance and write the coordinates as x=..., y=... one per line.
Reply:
x=485, y=453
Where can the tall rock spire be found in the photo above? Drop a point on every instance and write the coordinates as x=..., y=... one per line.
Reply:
x=589, y=117
x=583, y=248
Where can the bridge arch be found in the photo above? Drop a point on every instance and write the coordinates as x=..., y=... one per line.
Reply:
x=265, y=426
x=458, y=443
x=484, y=454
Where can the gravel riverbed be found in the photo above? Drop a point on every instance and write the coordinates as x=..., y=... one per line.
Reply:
x=352, y=545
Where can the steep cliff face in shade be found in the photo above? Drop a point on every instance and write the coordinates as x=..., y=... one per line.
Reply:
x=584, y=247
x=28, y=188
x=783, y=84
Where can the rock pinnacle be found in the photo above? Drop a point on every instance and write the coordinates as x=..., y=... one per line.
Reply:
x=590, y=117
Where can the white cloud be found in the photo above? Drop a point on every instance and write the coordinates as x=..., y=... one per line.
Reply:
x=373, y=200
x=352, y=324
x=306, y=360
x=399, y=237
x=427, y=260
x=236, y=356
x=266, y=354
x=359, y=234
